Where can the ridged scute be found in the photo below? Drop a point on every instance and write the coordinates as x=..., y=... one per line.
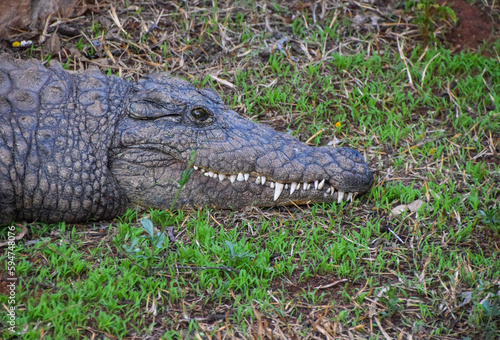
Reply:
x=55, y=133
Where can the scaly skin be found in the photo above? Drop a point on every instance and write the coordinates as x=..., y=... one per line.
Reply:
x=85, y=146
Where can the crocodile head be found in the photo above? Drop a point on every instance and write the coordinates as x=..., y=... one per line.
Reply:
x=237, y=162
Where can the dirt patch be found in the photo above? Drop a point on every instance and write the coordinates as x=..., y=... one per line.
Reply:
x=5, y=283
x=474, y=26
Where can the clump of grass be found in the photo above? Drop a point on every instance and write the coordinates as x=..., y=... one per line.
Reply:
x=491, y=219
x=431, y=17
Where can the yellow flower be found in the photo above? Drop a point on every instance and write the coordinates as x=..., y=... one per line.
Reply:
x=16, y=44
x=337, y=124
x=432, y=151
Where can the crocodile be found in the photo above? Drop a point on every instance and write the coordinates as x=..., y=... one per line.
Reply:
x=79, y=146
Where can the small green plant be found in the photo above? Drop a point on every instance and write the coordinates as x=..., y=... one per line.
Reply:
x=491, y=219
x=492, y=305
x=148, y=250
x=430, y=16
x=66, y=64
x=489, y=310
x=80, y=45
x=392, y=303
x=96, y=28
x=236, y=256
x=297, y=27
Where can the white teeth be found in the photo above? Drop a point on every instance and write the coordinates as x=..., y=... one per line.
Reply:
x=278, y=189
x=340, y=196
x=294, y=186
x=349, y=196
x=320, y=185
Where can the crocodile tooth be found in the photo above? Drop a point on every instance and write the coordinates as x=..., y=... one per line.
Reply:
x=320, y=185
x=222, y=177
x=232, y=178
x=257, y=180
x=246, y=176
x=263, y=180
x=202, y=170
x=278, y=189
x=298, y=186
x=293, y=186
x=309, y=186
x=316, y=184
x=349, y=196
x=211, y=174
x=306, y=186
x=328, y=190
x=340, y=196
x=286, y=186
x=240, y=177
x=333, y=189
x=271, y=185
x=195, y=167
x=208, y=174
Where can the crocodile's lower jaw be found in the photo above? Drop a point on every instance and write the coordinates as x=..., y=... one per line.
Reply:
x=281, y=189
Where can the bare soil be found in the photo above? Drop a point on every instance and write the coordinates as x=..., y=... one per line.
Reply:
x=475, y=26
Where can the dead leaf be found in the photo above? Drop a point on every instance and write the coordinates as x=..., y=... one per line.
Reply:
x=415, y=205
x=399, y=209
x=53, y=45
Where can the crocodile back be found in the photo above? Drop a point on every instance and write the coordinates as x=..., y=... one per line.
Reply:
x=56, y=128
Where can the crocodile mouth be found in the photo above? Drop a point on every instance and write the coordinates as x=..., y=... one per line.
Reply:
x=280, y=188
x=149, y=176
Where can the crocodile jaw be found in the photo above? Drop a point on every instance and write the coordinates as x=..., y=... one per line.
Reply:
x=153, y=183
x=281, y=193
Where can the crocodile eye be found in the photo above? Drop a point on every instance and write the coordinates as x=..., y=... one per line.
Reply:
x=200, y=114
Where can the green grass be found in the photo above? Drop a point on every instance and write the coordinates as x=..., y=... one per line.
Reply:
x=348, y=269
